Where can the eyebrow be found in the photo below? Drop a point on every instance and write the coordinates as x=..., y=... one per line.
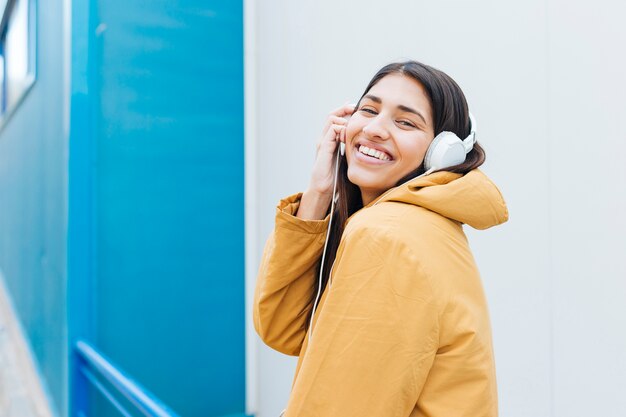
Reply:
x=401, y=107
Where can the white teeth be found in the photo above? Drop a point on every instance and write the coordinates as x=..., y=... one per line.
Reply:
x=373, y=152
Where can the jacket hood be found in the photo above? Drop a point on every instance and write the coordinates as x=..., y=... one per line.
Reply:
x=471, y=198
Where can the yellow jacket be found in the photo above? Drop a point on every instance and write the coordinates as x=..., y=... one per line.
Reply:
x=403, y=327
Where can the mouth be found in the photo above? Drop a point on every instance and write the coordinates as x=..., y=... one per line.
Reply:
x=373, y=152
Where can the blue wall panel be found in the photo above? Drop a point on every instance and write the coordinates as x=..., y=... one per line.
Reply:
x=168, y=198
x=33, y=209
x=151, y=251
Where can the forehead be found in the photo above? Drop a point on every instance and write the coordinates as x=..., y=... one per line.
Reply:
x=397, y=89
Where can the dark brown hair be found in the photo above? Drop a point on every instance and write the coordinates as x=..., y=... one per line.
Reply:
x=450, y=113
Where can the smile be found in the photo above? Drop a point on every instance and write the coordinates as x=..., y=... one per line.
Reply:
x=373, y=153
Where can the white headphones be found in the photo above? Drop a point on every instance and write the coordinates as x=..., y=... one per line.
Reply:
x=448, y=150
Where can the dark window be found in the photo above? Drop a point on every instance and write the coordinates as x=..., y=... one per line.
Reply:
x=17, y=53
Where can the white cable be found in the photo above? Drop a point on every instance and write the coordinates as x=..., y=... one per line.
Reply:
x=330, y=222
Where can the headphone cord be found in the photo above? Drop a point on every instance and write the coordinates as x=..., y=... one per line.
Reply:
x=330, y=222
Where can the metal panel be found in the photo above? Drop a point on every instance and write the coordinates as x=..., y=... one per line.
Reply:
x=33, y=214
x=169, y=264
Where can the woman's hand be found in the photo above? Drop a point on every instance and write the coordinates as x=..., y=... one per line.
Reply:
x=315, y=201
x=334, y=132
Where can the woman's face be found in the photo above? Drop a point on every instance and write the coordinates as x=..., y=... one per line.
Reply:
x=394, y=123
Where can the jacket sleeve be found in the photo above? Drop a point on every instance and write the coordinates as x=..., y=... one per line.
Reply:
x=372, y=347
x=287, y=278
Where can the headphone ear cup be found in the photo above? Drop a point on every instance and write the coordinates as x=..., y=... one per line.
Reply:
x=446, y=150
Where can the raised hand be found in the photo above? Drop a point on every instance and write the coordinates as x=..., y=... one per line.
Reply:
x=316, y=199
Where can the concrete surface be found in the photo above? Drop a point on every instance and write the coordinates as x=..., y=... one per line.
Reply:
x=21, y=393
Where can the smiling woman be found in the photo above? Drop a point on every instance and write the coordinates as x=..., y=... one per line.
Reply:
x=402, y=327
x=393, y=124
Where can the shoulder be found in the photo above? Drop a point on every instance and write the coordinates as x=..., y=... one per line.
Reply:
x=402, y=223
x=377, y=243
x=376, y=224
x=414, y=245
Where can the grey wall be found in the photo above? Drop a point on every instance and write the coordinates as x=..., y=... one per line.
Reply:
x=545, y=82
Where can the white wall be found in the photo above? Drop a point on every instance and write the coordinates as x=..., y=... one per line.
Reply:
x=545, y=80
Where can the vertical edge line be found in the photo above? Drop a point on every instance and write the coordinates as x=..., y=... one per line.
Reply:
x=67, y=88
x=251, y=201
x=550, y=180
x=79, y=285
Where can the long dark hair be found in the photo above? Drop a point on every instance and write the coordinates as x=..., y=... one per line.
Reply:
x=450, y=113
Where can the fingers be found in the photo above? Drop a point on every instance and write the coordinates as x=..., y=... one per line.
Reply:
x=339, y=113
x=334, y=129
x=345, y=110
x=333, y=120
x=338, y=129
x=335, y=132
x=339, y=135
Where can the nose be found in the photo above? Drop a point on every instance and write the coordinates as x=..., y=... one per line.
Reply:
x=376, y=129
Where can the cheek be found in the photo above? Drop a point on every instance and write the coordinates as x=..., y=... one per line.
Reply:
x=415, y=151
x=353, y=127
x=350, y=133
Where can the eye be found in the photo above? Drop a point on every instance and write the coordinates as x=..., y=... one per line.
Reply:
x=406, y=123
x=368, y=110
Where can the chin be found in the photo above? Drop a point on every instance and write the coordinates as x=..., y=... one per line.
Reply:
x=366, y=180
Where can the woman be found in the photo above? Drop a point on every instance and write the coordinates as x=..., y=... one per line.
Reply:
x=402, y=327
